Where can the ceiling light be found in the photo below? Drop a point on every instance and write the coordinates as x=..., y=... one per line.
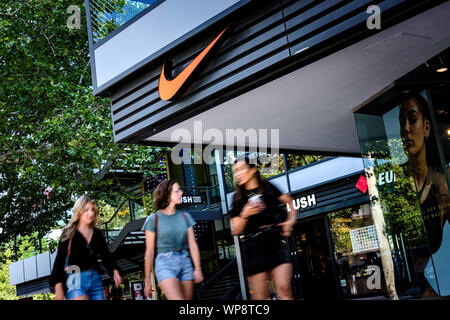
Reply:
x=448, y=132
x=442, y=69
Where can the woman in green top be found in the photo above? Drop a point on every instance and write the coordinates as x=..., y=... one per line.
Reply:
x=175, y=244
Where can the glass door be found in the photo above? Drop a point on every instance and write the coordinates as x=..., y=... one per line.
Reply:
x=357, y=252
x=313, y=261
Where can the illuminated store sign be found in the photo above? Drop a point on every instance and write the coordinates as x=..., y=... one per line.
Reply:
x=303, y=202
x=386, y=177
x=192, y=199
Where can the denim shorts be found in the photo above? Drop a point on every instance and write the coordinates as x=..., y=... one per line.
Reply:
x=174, y=264
x=86, y=283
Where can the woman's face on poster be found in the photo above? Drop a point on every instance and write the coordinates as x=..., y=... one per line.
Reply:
x=414, y=127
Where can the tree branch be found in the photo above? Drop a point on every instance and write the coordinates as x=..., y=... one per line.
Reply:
x=25, y=152
x=84, y=70
x=38, y=27
x=6, y=14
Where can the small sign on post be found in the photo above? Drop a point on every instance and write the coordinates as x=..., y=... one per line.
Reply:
x=137, y=290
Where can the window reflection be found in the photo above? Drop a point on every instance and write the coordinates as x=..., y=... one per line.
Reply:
x=300, y=160
x=404, y=155
x=108, y=15
x=357, y=252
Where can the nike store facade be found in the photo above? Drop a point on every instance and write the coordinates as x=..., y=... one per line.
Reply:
x=365, y=79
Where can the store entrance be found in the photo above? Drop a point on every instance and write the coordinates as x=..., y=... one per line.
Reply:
x=312, y=264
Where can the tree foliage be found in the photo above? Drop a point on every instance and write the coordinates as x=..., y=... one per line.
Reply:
x=53, y=132
x=26, y=246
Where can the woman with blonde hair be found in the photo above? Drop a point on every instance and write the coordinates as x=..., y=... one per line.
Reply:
x=80, y=244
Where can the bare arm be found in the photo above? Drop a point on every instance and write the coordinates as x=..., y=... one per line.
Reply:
x=238, y=225
x=239, y=222
x=149, y=256
x=108, y=259
x=195, y=254
x=59, y=291
x=288, y=225
x=292, y=214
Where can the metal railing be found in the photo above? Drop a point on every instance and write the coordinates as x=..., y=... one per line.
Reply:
x=209, y=195
x=111, y=232
x=130, y=210
x=108, y=15
x=228, y=268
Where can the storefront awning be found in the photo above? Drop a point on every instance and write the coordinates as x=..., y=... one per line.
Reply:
x=313, y=106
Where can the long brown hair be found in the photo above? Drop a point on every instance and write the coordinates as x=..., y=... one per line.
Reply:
x=162, y=193
x=78, y=209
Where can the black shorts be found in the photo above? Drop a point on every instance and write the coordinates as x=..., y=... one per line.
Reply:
x=264, y=252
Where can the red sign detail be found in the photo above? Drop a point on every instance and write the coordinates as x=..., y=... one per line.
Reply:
x=362, y=184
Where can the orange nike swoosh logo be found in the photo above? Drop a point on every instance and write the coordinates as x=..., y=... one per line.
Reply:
x=169, y=88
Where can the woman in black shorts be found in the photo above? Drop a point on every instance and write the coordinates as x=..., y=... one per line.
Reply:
x=258, y=214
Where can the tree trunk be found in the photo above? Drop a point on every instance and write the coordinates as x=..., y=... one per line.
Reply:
x=378, y=219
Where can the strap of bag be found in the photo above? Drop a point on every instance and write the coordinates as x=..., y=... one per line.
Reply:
x=156, y=236
x=158, y=289
x=70, y=247
x=66, y=265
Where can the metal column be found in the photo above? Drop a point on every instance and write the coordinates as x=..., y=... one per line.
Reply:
x=223, y=196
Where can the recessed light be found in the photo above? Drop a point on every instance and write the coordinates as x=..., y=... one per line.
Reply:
x=301, y=50
x=442, y=70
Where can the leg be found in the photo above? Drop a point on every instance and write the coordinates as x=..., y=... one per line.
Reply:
x=77, y=286
x=186, y=278
x=281, y=276
x=187, y=288
x=259, y=284
x=171, y=288
x=96, y=291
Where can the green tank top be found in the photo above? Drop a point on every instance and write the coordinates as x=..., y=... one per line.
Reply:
x=172, y=230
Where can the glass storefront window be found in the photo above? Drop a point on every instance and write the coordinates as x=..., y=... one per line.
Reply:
x=228, y=161
x=295, y=161
x=273, y=168
x=268, y=165
x=108, y=15
x=357, y=252
x=440, y=97
x=405, y=152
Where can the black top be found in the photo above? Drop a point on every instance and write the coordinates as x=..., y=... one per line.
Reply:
x=83, y=255
x=273, y=213
x=432, y=217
